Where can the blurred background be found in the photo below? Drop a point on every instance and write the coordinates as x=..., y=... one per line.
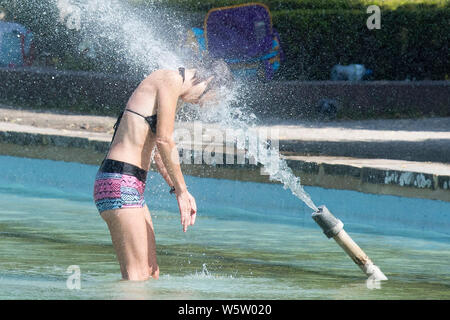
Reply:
x=289, y=40
x=315, y=34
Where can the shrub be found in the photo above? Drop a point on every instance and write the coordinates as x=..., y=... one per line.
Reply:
x=274, y=5
x=410, y=43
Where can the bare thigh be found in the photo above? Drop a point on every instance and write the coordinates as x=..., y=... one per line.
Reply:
x=133, y=239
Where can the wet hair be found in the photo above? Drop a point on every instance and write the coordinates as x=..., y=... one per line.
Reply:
x=219, y=70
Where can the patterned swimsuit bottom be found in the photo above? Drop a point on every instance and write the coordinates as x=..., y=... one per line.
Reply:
x=119, y=185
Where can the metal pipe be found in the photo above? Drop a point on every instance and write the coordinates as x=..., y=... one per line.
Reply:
x=334, y=228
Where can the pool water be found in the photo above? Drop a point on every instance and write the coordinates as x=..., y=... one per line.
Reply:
x=250, y=241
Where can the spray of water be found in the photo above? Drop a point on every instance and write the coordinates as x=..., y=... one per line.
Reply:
x=141, y=39
x=233, y=113
x=148, y=43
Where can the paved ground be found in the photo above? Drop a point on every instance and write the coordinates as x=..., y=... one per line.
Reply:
x=412, y=140
x=43, y=119
x=413, y=145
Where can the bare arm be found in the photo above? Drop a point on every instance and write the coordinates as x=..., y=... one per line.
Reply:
x=169, y=90
x=161, y=167
x=168, y=93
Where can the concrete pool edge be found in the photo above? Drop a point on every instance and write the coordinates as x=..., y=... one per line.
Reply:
x=364, y=175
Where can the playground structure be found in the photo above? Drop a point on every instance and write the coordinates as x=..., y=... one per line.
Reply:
x=241, y=35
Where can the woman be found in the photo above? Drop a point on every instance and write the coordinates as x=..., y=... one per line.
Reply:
x=145, y=126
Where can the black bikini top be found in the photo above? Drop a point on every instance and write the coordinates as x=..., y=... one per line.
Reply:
x=151, y=120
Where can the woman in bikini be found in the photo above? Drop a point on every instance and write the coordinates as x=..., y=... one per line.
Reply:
x=145, y=128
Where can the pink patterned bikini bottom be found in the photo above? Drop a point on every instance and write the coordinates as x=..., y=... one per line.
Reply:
x=119, y=185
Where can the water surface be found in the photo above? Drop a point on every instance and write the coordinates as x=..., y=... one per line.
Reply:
x=250, y=241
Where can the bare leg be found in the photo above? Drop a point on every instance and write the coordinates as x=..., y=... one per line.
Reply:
x=132, y=243
x=152, y=261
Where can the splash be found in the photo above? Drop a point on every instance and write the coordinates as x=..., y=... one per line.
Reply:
x=205, y=271
x=148, y=44
x=137, y=38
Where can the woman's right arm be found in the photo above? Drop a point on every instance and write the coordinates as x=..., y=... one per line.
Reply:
x=168, y=92
x=161, y=168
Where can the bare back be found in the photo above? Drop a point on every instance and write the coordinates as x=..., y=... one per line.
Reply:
x=134, y=140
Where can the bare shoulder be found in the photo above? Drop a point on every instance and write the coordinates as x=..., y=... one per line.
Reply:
x=161, y=80
x=165, y=78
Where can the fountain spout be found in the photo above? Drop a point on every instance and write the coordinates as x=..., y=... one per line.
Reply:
x=334, y=228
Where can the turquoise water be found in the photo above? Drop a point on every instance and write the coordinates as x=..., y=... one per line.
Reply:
x=250, y=241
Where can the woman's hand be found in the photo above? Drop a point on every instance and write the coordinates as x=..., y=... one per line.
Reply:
x=188, y=209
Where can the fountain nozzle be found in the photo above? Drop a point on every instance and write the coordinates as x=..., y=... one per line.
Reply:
x=330, y=225
x=334, y=228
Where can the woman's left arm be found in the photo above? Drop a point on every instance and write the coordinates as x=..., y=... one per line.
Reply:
x=161, y=167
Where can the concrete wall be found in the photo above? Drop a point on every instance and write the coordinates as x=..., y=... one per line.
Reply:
x=67, y=90
x=295, y=99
